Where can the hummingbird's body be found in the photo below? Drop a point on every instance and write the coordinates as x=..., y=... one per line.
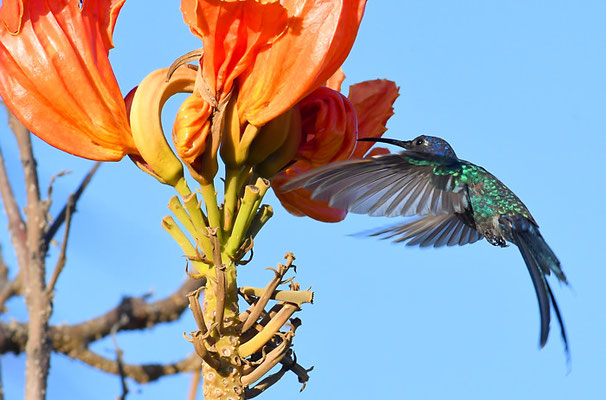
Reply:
x=458, y=202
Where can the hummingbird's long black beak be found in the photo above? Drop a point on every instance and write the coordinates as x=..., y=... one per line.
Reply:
x=401, y=143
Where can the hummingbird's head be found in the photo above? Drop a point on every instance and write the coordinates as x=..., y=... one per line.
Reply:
x=421, y=144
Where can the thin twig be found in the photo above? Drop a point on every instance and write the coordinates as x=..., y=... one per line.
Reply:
x=3, y=269
x=196, y=309
x=56, y=224
x=119, y=362
x=16, y=224
x=8, y=288
x=49, y=191
x=195, y=383
x=1, y=385
x=71, y=204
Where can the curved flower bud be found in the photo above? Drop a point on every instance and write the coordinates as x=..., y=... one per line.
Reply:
x=56, y=77
x=191, y=130
x=372, y=101
x=145, y=119
x=272, y=136
x=286, y=153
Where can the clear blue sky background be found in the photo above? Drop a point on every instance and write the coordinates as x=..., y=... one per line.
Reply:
x=518, y=87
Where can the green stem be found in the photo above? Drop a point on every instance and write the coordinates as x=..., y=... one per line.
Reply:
x=209, y=195
x=251, y=194
x=198, y=219
x=168, y=223
x=263, y=185
x=232, y=189
x=177, y=208
x=260, y=218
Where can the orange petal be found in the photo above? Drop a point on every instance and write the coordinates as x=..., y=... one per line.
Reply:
x=11, y=14
x=232, y=32
x=191, y=128
x=56, y=77
x=373, y=101
x=299, y=203
x=319, y=37
x=329, y=126
x=336, y=80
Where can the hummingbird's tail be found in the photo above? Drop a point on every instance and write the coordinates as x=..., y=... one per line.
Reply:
x=540, y=261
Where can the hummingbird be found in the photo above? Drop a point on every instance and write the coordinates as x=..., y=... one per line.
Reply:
x=457, y=203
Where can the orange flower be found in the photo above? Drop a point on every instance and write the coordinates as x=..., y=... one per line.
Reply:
x=56, y=77
x=269, y=54
x=370, y=106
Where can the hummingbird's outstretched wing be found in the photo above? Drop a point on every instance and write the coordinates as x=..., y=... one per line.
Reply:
x=433, y=230
x=402, y=184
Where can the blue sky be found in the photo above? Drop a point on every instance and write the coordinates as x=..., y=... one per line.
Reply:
x=518, y=87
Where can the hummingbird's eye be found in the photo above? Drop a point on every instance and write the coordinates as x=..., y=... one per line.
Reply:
x=419, y=142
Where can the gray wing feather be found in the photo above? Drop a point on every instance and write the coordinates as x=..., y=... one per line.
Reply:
x=433, y=230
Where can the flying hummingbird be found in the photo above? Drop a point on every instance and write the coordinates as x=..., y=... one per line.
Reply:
x=458, y=203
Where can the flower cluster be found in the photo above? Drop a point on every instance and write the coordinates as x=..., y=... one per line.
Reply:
x=265, y=97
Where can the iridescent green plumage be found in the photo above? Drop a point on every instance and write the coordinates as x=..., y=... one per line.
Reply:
x=458, y=202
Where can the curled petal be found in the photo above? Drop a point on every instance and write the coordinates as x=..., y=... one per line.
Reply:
x=299, y=203
x=329, y=127
x=232, y=33
x=56, y=77
x=336, y=80
x=11, y=14
x=319, y=37
x=373, y=101
x=192, y=128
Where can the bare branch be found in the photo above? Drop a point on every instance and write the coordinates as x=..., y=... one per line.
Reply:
x=56, y=224
x=120, y=362
x=8, y=288
x=142, y=373
x=61, y=259
x=30, y=173
x=1, y=385
x=139, y=314
x=195, y=384
x=3, y=269
x=16, y=224
x=134, y=312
